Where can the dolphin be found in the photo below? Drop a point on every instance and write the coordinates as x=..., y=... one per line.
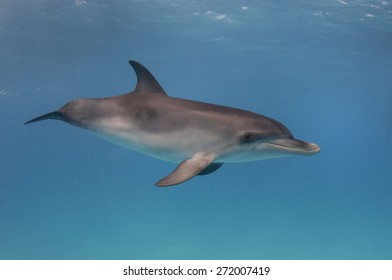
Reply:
x=199, y=136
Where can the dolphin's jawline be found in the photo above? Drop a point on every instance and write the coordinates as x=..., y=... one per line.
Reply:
x=313, y=148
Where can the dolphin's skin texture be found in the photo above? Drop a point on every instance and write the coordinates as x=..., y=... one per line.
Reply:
x=199, y=136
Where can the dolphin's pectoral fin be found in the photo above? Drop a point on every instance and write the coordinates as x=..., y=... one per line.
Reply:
x=211, y=168
x=188, y=169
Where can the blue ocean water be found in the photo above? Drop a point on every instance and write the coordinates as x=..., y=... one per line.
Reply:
x=322, y=68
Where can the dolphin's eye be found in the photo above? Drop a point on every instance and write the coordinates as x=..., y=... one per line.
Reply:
x=246, y=137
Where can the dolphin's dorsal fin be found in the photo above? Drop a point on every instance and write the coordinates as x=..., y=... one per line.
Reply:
x=145, y=80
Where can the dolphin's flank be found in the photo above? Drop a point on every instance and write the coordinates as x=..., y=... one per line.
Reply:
x=201, y=137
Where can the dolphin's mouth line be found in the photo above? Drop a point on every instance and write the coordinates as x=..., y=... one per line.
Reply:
x=292, y=148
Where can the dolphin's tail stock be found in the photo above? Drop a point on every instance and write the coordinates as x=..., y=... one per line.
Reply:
x=52, y=115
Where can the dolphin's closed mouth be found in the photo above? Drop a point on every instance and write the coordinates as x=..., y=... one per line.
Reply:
x=296, y=146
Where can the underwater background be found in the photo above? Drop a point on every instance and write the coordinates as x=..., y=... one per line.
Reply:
x=322, y=68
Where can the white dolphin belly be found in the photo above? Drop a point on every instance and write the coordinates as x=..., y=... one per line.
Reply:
x=173, y=147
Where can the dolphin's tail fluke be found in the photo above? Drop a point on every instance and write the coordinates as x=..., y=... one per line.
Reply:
x=52, y=115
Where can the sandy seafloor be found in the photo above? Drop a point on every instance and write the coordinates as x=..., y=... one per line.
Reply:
x=322, y=68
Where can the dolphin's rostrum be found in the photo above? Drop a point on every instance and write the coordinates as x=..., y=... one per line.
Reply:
x=199, y=136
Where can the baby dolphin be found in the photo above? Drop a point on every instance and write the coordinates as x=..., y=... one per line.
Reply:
x=199, y=136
